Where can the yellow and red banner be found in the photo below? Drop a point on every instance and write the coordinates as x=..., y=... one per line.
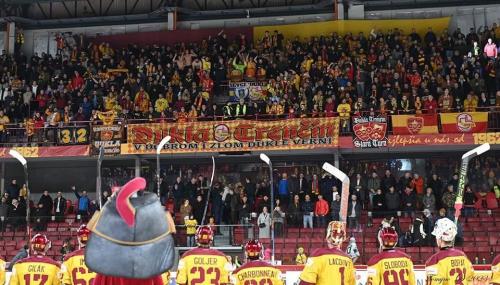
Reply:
x=414, y=124
x=467, y=122
x=239, y=135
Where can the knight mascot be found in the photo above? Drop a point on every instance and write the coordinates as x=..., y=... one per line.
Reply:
x=131, y=241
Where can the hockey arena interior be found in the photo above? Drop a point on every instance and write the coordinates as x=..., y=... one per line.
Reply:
x=249, y=142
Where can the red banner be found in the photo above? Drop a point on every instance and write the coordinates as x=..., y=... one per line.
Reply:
x=401, y=141
x=471, y=122
x=48, y=151
x=414, y=124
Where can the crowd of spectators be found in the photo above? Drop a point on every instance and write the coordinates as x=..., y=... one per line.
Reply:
x=398, y=71
x=311, y=199
x=305, y=197
x=50, y=206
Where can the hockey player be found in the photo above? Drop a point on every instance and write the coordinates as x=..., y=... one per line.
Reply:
x=256, y=271
x=328, y=264
x=37, y=269
x=203, y=265
x=74, y=271
x=449, y=265
x=390, y=266
x=495, y=271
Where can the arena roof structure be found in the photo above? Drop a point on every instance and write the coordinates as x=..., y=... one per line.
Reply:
x=52, y=13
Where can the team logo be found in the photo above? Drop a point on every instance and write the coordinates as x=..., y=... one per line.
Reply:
x=415, y=124
x=378, y=131
x=370, y=131
x=221, y=132
x=107, y=135
x=363, y=131
x=465, y=122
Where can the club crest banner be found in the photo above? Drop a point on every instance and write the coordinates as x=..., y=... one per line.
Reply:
x=369, y=132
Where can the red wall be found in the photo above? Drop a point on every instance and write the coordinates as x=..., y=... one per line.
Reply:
x=170, y=37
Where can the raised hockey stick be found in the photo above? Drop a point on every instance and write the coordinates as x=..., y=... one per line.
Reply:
x=463, y=175
x=15, y=154
x=344, y=198
x=160, y=146
x=269, y=163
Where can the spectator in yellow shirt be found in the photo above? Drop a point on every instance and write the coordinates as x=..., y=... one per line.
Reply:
x=344, y=110
x=191, y=225
x=307, y=63
x=3, y=128
x=161, y=104
x=470, y=103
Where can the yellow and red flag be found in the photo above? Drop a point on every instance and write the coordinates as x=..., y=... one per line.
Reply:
x=414, y=124
x=467, y=122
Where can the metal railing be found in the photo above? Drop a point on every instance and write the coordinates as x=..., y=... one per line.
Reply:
x=80, y=132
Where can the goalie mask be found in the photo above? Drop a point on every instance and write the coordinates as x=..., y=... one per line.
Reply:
x=131, y=236
x=335, y=233
x=446, y=230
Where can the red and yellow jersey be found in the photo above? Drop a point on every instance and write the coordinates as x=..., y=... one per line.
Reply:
x=2, y=271
x=256, y=273
x=449, y=267
x=495, y=271
x=37, y=270
x=390, y=267
x=203, y=266
x=74, y=271
x=325, y=265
